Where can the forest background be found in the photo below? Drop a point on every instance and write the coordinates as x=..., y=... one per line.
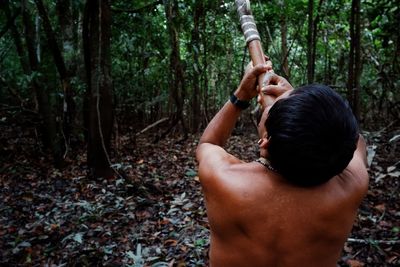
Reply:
x=96, y=85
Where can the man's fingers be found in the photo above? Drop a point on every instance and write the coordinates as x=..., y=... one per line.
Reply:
x=269, y=64
x=271, y=90
x=259, y=69
x=270, y=78
x=268, y=61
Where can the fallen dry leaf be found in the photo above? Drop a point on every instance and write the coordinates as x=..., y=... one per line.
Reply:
x=355, y=263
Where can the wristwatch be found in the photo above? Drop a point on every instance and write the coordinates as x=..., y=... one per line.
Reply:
x=239, y=103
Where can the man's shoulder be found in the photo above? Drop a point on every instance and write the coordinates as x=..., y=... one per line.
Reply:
x=235, y=180
x=357, y=169
x=354, y=179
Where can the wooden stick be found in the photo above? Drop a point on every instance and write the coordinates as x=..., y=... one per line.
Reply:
x=152, y=126
x=253, y=42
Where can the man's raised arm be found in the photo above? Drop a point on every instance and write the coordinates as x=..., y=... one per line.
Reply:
x=221, y=126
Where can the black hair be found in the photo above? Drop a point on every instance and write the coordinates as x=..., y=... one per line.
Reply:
x=313, y=135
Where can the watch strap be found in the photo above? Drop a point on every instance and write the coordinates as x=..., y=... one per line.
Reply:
x=239, y=103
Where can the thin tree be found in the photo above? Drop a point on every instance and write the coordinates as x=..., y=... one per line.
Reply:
x=99, y=113
x=49, y=126
x=310, y=60
x=16, y=37
x=198, y=13
x=62, y=70
x=177, y=79
x=312, y=38
x=354, y=73
x=284, y=46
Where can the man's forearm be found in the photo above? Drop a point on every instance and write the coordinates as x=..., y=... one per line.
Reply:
x=220, y=128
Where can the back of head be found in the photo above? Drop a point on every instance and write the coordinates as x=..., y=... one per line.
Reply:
x=313, y=134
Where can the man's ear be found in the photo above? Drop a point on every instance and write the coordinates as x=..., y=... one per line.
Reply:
x=264, y=142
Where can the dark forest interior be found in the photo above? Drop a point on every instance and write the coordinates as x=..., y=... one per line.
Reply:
x=102, y=104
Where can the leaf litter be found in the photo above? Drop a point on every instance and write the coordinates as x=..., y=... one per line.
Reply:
x=154, y=214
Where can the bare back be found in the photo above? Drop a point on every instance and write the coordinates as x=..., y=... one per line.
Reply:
x=258, y=219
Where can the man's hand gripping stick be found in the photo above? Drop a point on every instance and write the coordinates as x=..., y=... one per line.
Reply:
x=253, y=42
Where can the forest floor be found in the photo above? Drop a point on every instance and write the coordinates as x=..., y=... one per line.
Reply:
x=154, y=214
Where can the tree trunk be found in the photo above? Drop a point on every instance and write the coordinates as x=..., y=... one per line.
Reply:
x=65, y=18
x=50, y=137
x=10, y=20
x=284, y=47
x=312, y=38
x=205, y=98
x=67, y=15
x=354, y=74
x=99, y=106
x=396, y=62
x=327, y=60
x=195, y=46
x=177, y=79
x=17, y=38
x=315, y=35
x=21, y=55
x=69, y=105
x=310, y=60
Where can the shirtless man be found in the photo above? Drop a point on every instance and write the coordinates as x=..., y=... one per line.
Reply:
x=298, y=206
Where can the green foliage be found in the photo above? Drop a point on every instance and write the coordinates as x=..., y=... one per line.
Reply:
x=141, y=51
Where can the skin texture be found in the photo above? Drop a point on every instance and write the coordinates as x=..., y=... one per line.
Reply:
x=256, y=217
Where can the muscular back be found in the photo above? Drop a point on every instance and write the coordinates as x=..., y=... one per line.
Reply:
x=258, y=219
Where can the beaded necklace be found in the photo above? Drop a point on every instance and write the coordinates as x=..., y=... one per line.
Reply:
x=265, y=162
